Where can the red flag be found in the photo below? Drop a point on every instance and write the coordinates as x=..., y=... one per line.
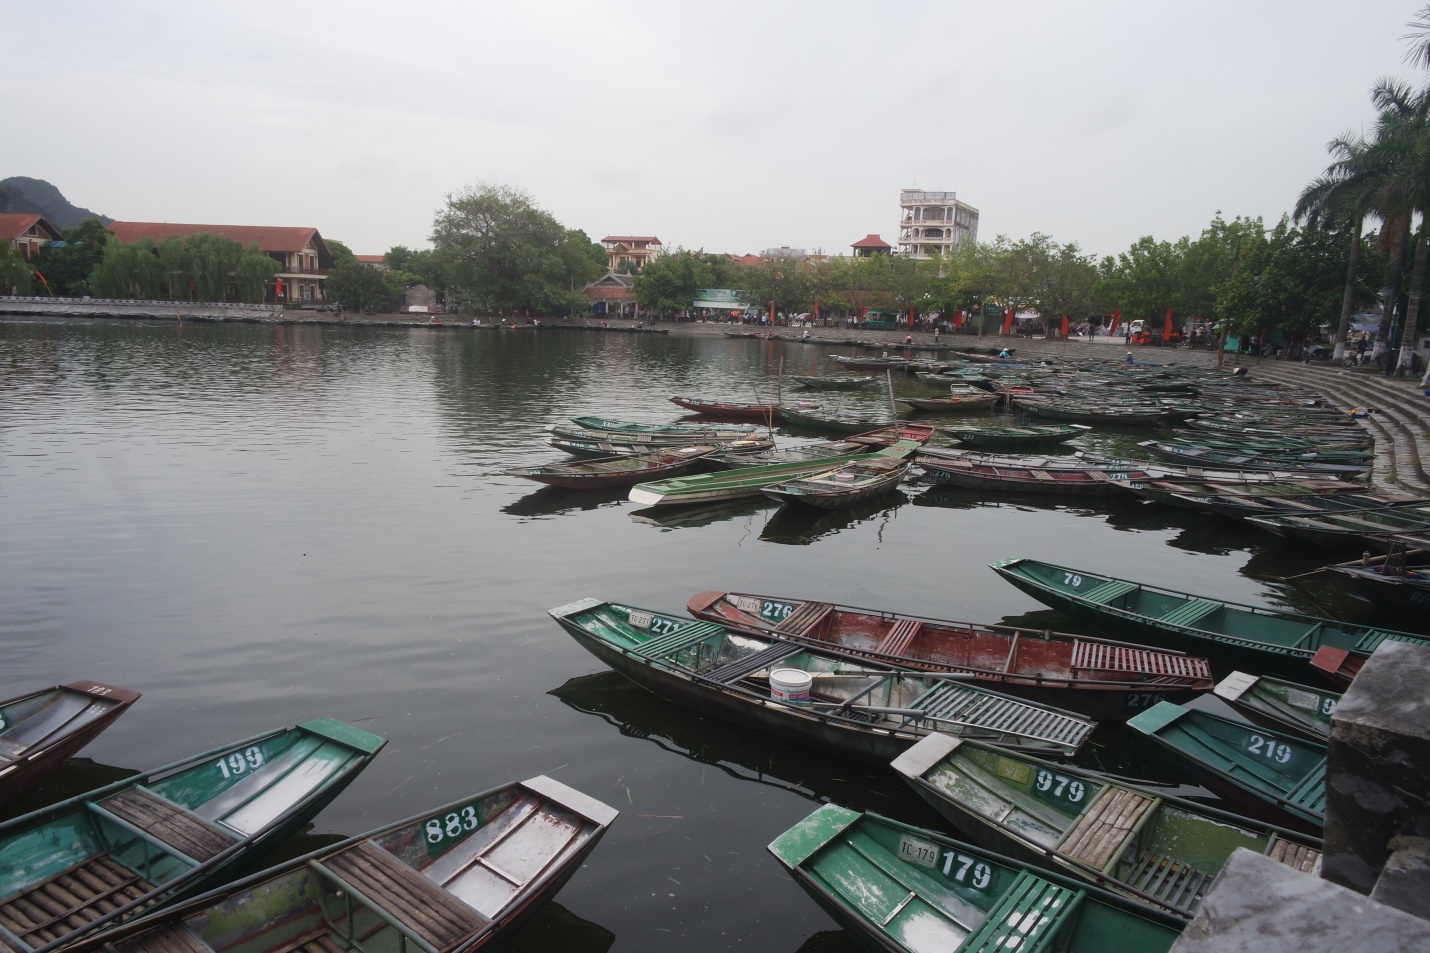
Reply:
x=1008, y=321
x=278, y=291
x=958, y=319
x=1167, y=328
x=816, y=312
x=1065, y=325
x=911, y=317
x=42, y=278
x=1116, y=320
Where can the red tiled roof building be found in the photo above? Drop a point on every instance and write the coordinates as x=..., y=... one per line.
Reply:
x=302, y=255
x=27, y=233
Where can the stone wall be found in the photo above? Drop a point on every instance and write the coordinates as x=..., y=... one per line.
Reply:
x=129, y=308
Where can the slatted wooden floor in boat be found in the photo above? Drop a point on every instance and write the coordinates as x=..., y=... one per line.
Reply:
x=955, y=703
x=176, y=826
x=68, y=900
x=1297, y=856
x=805, y=618
x=419, y=904
x=1103, y=829
x=1102, y=657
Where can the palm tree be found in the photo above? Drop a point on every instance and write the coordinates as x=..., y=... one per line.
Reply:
x=1344, y=195
x=1419, y=37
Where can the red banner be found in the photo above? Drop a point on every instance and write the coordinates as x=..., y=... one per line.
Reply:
x=1116, y=320
x=1065, y=325
x=958, y=319
x=1008, y=321
x=1167, y=328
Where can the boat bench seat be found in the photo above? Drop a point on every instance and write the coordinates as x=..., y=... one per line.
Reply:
x=687, y=635
x=1032, y=909
x=70, y=899
x=900, y=636
x=1109, y=591
x=954, y=702
x=1294, y=855
x=1310, y=794
x=737, y=669
x=1170, y=881
x=805, y=618
x=1189, y=613
x=410, y=898
x=175, y=826
x=1105, y=657
x=1097, y=837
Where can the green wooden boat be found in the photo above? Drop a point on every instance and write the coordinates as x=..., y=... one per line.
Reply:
x=154, y=839
x=1314, y=504
x=1340, y=530
x=835, y=383
x=1251, y=637
x=1015, y=436
x=1280, y=705
x=1158, y=849
x=859, y=479
x=847, y=705
x=1310, y=462
x=599, y=448
x=1174, y=492
x=748, y=481
x=694, y=435
x=684, y=431
x=832, y=422
x=903, y=889
x=1275, y=775
x=454, y=879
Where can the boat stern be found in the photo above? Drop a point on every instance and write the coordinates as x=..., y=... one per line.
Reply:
x=930, y=750
x=1234, y=686
x=597, y=812
x=810, y=835
x=1154, y=719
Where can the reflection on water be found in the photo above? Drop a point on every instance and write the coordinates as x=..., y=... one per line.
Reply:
x=554, y=501
x=74, y=777
x=690, y=516
x=797, y=525
x=556, y=928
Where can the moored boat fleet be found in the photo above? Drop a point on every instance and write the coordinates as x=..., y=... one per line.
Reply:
x=981, y=719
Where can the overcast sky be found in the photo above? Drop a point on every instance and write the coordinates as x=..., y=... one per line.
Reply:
x=731, y=126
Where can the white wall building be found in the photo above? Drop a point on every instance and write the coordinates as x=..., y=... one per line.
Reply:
x=934, y=223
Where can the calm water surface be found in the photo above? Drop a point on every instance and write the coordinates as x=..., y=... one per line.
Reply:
x=260, y=525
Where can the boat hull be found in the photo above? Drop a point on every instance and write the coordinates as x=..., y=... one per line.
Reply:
x=37, y=761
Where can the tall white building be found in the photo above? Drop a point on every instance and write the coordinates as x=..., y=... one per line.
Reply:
x=934, y=223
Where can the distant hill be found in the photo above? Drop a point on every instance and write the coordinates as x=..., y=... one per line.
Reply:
x=23, y=194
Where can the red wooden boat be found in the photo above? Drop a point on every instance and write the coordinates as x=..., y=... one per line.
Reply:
x=1339, y=665
x=40, y=730
x=717, y=408
x=1106, y=680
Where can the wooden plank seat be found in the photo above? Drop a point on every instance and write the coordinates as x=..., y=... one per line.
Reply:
x=70, y=899
x=1102, y=657
x=803, y=620
x=408, y=897
x=176, y=826
x=665, y=645
x=737, y=669
x=1032, y=909
x=950, y=701
x=1109, y=591
x=1294, y=855
x=170, y=938
x=900, y=636
x=1169, y=881
x=1097, y=837
x=1310, y=794
x=1191, y=612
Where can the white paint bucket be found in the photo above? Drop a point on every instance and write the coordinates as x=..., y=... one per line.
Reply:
x=790, y=685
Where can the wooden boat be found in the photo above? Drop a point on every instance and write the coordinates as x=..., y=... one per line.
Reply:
x=904, y=889
x=1248, y=637
x=160, y=837
x=956, y=403
x=837, y=423
x=695, y=435
x=681, y=431
x=40, y=730
x=457, y=878
x=859, y=479
x=1312, y=504
x=1386, y=583
x=747, y=481
x=1129, y=416
x=1350, y=529
x=1014, y=436
x=1188, y=453
x=766, y=413
x=855, y=444
x=844, y=361
x=854, y=708
x=604, y=473
x=1276, y=775
x=1063, y=481
x=1175, y=491
x=835, y=383
x=610, y=448
x=1160, y=850
x=1280, y=705
x=1107, y=681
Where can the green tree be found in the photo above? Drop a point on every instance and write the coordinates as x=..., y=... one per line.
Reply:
x=357, y=286
x=783, y=283
x=341, y=253
x=252, y=274
x=507, y=252
x=67, y=267
x=670, y=283
x=128, y=270
x=16, y=275
x=212, y=259
x=176, y=265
